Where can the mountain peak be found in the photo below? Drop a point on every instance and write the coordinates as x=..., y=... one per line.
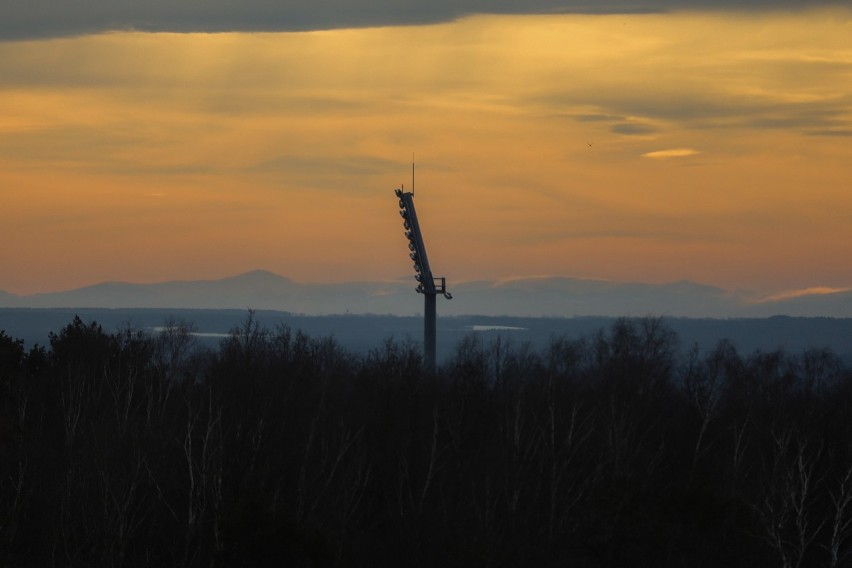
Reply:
x=258, y=276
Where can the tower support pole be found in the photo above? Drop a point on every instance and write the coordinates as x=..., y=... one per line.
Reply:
x=430, y=332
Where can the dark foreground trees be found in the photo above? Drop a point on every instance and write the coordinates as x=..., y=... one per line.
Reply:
x=279, y=449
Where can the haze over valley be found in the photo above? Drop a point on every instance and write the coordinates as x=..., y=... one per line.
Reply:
x=518, y=297
x=362, y=315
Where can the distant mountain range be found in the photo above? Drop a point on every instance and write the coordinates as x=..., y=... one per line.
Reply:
x=563, y=297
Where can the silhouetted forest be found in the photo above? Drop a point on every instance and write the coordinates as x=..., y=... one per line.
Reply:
x=620, y=448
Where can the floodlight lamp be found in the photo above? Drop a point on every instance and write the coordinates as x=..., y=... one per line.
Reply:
x=411, y=246
x=407, y=226
x=416, y=268
x=448, y=296
x=398, y=192
x=413, y=256
x=419, y=289
x=418, y=277
x=401, y=204
x=403, y=213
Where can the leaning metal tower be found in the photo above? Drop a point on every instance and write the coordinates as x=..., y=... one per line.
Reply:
x=427, y=285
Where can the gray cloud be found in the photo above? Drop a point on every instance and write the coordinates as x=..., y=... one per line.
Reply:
x=828, y=117
x=838, y=133
x=597, y=117
x=30, y=19
x=632, y=129
x=322, y=172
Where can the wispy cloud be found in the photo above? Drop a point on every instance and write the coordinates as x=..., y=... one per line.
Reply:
x=815, y=291
x=670, y=153
x=837, y=133
x=633, y=129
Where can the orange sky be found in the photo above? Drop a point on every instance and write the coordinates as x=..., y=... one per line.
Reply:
x=710, y=147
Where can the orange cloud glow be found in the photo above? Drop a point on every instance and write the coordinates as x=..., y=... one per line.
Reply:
x=673, y=153
x=818, y=291
x=149, y=157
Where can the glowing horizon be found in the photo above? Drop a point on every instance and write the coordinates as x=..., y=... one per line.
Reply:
x=712, y=147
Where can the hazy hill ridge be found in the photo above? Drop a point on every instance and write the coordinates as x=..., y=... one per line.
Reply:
x=556, y=296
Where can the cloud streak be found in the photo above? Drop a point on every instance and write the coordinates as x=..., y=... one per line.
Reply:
x=57, y=18
x=807, y=292
x=671, y=153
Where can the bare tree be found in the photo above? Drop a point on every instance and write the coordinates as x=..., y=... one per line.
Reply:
x=202, y=449
x=564, y=444
x=840, y=523
x=787, y=491
x=703, y=382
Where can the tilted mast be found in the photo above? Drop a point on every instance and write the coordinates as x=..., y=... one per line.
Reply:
x=427, y=285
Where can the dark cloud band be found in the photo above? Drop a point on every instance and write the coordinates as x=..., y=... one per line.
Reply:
x=54, y=18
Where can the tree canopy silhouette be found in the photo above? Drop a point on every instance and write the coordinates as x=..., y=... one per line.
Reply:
x=277, y=448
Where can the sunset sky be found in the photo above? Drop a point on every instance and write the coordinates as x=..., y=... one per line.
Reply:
x=638, y=143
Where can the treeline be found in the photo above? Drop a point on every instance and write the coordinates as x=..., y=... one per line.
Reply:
x=621, y=448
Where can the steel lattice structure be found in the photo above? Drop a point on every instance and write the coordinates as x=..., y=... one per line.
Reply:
x=427, y=285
